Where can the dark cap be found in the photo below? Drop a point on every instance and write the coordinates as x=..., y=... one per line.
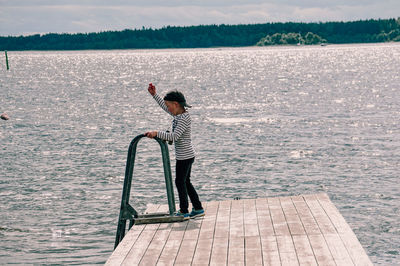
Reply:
x=176, y=96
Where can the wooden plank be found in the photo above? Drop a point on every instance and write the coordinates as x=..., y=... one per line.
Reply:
x=307, y=219
x=278, y=217
x=264, y=220
x=269, y=244
x=333, y=240
x=188, y=244
x=206, y=234
x=270, y=251
x=122, y=250
x=354, y=248
x=253, y=253
x=208, y=221
x=321, y=250
x=323, y=221
x=219, y=252
x=336, y=218
x=130, y=239
x=222, y=222
x=236, y=220
x=136, y=253
x=172, y=245
x=203, y=252
x=156, y=246
x=186, y=251
x=305, y=254
x=173, y=242
x=219, y=255
x=349, y=239
x=204, y=244
x=287, y=252
x=139, y=248
x=250, y=218
x=194, y=233
x=236, y=251
x=236, y=234
x=292, y=218
x=338, y=250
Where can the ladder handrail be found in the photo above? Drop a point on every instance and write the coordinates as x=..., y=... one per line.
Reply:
x=127, y=212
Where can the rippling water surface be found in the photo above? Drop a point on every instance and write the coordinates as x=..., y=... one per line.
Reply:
x=266, y=122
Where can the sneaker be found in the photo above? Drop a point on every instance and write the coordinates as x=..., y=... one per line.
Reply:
x=196, y=213
x=184, y=215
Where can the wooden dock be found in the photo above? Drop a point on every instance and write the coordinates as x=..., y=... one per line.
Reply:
x=298, y=230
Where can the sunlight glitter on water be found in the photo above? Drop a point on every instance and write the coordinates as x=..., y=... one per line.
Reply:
x=266, y=122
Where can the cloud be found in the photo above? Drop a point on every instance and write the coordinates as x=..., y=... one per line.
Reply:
x=43, y=16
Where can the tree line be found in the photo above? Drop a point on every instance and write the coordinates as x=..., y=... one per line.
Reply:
x=362, y=31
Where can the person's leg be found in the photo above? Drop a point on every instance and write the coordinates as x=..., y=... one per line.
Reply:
x=180, y=182
x=194, y=197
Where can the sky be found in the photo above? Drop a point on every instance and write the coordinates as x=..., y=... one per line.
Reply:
x=26, y=17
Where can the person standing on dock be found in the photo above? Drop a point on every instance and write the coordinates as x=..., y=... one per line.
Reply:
x=174, y=103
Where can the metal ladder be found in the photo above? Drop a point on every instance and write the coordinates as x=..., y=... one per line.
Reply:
x=127, y=212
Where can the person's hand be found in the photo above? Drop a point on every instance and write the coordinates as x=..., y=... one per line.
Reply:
x=151, y=134
x=152, y=89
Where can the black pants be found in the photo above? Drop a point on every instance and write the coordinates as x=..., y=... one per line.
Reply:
x=185, y=187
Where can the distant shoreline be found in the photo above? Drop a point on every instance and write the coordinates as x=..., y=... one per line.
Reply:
x=217, y=47
x=209, y=36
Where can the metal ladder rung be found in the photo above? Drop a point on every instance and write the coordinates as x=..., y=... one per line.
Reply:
x=155, y=220
x=155, y=214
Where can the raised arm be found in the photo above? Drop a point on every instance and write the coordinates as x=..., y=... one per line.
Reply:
x=161, y=103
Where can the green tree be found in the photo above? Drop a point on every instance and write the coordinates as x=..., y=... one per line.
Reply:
x=311, y=38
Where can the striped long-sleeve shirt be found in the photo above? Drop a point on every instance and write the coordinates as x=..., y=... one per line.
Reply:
x=181, y=132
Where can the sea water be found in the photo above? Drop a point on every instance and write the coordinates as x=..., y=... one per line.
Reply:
x=267, y=121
